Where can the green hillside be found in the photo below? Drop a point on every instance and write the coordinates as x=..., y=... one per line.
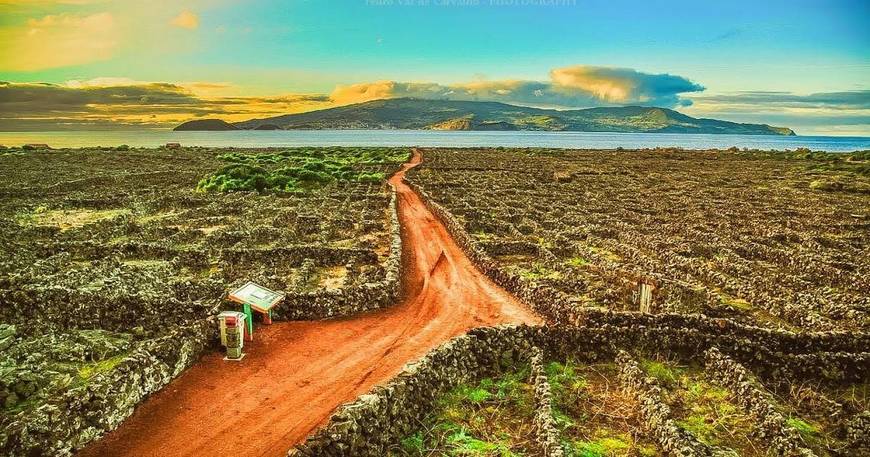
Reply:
x=409, y=113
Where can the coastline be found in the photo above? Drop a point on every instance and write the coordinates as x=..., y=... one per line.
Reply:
x=433, y=138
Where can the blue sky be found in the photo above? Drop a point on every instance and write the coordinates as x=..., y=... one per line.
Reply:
x=260, y=49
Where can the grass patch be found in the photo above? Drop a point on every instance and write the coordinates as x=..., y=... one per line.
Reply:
x=465, y=444
x=857, y=395
x=490, y=418
x=808, y=412
x=538, y=271
x=577, y=261
x=609, y=445
x=663, y=373
x=605, y=254
x=482, y=236
x=88, y=371
x=803, y=427
x=737, y=304
x=706, y=410
x=838, y=184
x=475, y=395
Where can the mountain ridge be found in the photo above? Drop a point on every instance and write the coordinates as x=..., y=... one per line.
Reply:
x=425, y=114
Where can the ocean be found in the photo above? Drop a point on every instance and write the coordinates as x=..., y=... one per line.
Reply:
x=576, y=140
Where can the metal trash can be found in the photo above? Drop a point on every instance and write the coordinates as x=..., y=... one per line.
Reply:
x=240, y=317
x=235, y=339
x=232, y=326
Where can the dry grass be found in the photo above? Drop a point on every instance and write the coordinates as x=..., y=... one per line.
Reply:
x=597, y=418
x=67, y=219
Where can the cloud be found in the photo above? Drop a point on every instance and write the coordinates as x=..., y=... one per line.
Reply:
x=186, y=20
x=356, y=93
x=841, y=112
x=58, y=40
x=102, y=101
x=76, y=97
x=844, y=112
x=570, y=87
x=101, y=82
x=624, y=85
x=855, y=99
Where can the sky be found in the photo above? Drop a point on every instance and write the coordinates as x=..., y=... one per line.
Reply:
x=132, y=64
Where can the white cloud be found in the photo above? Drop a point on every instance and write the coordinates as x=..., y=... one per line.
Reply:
x=569, y=87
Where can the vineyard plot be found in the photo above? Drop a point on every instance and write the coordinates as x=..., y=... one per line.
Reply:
x=113, y=259
x=771, y=239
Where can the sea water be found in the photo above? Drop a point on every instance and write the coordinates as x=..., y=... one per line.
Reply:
x=287, y=138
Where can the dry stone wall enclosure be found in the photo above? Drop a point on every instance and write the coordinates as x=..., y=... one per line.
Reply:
x=765, y=340
x=545, y=425
x=753, y=339
x=373, y=424
x=83, y=412
x=733, y=235
x=115, y=262
x=771, y=424
x=656, y=413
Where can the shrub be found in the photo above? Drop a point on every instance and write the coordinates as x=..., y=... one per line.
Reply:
x=826, y=185
x=370, y=177
x=300, y=168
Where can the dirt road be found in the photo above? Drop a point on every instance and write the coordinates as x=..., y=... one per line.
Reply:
x=296, y=373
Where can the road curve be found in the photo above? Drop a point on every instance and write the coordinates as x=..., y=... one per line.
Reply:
x=296, y=373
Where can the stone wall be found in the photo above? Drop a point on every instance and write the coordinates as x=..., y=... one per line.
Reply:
x=370, y=425
x=347, y=301
x=546, y=433
x=771, y=426
x=655, y=414
x=84, y=412
x=858, y=432
x=557, y=309
x=374, y=422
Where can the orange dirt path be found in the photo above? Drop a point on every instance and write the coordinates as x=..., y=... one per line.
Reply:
x=296, y=373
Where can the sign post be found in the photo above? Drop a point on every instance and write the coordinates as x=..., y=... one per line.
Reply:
x=255, y=297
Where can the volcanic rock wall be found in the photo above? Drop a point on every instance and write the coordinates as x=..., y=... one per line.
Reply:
x=371, y=424
x=558, y=310
x=322, y=304
x=546, y=433
x=771, y=425
x=655, y=413
x=85, y=412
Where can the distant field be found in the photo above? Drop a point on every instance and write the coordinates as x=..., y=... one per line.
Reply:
x=775, y=239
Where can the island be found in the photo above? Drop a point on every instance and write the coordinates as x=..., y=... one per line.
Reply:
x=211, y=125
x=425, y=114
